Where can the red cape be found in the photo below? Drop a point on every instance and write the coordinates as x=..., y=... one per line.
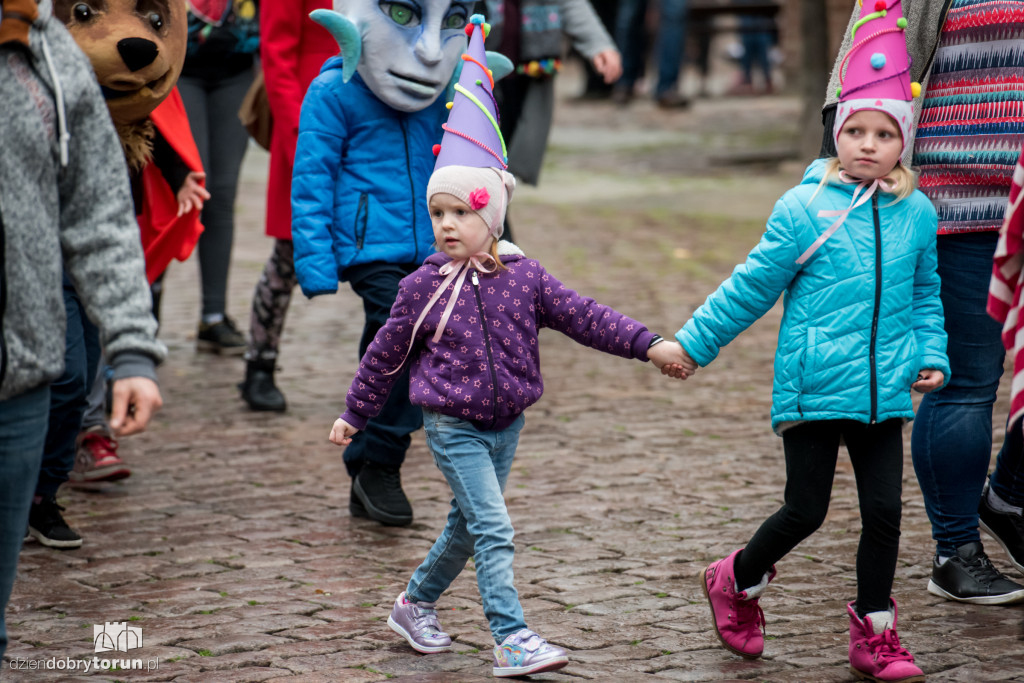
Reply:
x=165, y=236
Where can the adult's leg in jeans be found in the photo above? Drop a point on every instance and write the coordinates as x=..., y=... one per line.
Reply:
x=22, y=432
x=630, y=37
x=225, y=144
x=1007, y=478
x=68, y=395
x=811, y=451
x=476, y=465
x=671, y=44
x=876, y=452
x=386, y=438
x=951, y=443
x=270, y=301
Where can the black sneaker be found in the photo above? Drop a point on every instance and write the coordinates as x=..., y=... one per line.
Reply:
x=222, y=338
x=1006, y=527
x=47, y=525
x=355, y=508
x=379, y=489
x=970, y=577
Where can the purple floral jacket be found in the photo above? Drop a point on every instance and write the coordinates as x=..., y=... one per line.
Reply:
x=486, y=366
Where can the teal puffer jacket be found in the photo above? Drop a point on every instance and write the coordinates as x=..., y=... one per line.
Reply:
x=862, y=315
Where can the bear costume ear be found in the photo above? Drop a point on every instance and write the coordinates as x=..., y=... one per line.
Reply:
x=18, y=16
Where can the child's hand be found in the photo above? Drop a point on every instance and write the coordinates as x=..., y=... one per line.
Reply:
x=671, y=358
x=192, y=194
x=342, y=432
x=609, y=65
x=928, y=380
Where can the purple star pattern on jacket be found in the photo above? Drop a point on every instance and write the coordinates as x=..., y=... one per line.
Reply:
x=486, y=366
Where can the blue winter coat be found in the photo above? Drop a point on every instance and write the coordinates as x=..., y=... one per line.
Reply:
x=359, y=186
x=862, y=316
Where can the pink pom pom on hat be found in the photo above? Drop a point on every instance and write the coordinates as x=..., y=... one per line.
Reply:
x=875, y=73
x=472, y=140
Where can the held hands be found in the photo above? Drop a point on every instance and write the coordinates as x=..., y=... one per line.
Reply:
x=671, y=358
x=133, y=401
x=342, y=432
x=928, y=380
x=192, y=194
x=609, y=64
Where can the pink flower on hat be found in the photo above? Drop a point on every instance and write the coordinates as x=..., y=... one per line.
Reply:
x=478, y=198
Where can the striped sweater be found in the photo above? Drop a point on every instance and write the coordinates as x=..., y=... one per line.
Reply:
x=971, y=127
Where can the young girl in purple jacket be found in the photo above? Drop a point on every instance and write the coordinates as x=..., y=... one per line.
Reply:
x=467, y=320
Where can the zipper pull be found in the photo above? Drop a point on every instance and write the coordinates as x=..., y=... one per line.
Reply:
x=476, y=282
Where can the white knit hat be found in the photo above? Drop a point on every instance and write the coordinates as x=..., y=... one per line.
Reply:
x=485, y=190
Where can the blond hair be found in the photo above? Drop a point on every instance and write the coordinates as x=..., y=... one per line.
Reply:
x=904, y=180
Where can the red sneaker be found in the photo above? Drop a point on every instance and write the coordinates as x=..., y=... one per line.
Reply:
x=736, y=616
x=96, y=458
x=876, y=653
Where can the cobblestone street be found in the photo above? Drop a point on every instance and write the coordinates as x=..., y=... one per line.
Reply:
x=231, y=546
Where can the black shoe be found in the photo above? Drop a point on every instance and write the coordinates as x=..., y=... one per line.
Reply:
x=355, y=508
x=258, y=388
x=47, y=525
x=222, y=338
x=969, y=576
x=1006, y=527
x=379, y=489
x=673, y=100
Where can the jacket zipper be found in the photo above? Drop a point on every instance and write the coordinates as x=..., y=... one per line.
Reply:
x=877, y=310
x=361, y=212
x=412, y=191
x=487, y=344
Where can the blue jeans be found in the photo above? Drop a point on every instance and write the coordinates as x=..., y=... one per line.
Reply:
x=22, y=430
x=386, y=438
x=476, y=465
x=952, y=439
x=69, y=394
x=632, y=42
x=1007, y=478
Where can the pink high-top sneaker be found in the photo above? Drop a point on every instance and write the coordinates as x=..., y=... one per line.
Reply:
x=879, y=656
x=738, y=619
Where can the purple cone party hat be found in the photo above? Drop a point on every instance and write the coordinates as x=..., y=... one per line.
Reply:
x=875, y=73
x=472, y=136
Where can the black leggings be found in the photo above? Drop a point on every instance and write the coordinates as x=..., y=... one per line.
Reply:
x=876, y=452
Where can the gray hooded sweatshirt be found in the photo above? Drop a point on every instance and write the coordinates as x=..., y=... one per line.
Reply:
x=64, y=199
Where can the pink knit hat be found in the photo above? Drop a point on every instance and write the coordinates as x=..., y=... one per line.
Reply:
x=471, y=159
x=877, y=68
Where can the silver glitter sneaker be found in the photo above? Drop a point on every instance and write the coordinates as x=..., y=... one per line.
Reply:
x=417, y=623
x=524, y=653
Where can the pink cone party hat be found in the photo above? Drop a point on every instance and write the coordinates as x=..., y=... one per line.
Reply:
x=875, y=73
x=472, y=136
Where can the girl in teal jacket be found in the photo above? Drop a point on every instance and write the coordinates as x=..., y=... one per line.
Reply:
x=852, y=251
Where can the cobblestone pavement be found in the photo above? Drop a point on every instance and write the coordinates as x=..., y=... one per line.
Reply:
x=231, y=547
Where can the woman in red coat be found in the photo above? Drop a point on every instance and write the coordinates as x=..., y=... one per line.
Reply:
x=292, y=49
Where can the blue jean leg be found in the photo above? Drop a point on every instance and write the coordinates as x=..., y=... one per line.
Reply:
x=952, y=438
x=630, y=38
x=476, y=465
x=1007, y=478
x=671, y=44
x=68, y=395
x=22, y=431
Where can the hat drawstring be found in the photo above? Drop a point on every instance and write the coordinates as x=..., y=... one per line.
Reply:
x=841, y=214
x=454, y=270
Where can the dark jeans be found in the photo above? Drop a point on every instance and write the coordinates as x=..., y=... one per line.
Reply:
x=22, y=429
x=952, y=440
x=212, y=108
x=1007, y=479
x=68, y=395
x=812, y=448
x=385, y=439
x=632, y=42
